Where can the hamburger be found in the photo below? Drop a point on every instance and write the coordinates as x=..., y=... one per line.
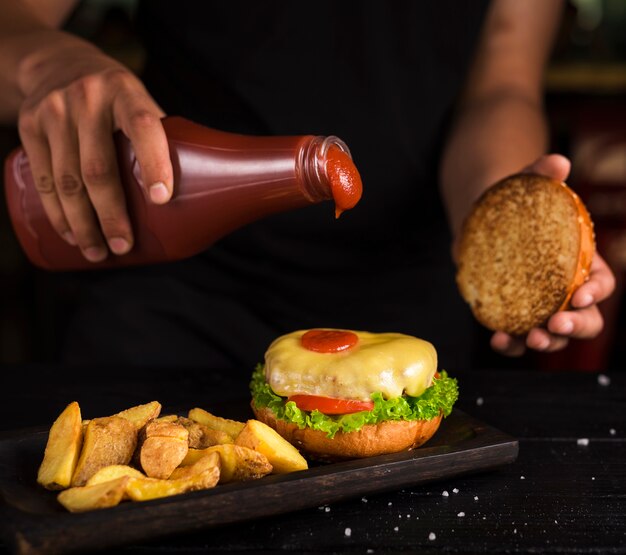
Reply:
x=524, y=249
x=342, y=394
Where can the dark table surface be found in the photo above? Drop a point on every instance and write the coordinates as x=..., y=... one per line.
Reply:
x=565, y=492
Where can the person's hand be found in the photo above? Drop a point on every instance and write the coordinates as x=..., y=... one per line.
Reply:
x=584, y=320
x=75, y=97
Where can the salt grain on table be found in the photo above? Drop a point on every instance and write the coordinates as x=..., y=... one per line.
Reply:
x=432, y=536
x=348, y=532
x=603, y=379
x=584, y=441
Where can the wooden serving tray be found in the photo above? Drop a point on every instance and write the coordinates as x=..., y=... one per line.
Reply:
x=33, y=522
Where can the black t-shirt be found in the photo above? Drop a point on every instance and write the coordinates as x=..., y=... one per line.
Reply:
x=383, y=76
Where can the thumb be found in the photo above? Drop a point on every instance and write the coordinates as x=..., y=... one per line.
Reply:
x=555, y=166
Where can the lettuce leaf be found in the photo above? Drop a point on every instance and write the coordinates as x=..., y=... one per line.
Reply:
x=439, y=398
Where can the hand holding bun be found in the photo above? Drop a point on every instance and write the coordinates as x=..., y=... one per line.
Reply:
x=525, y=248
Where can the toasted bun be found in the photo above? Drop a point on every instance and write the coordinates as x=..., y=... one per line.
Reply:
x=387, y=437
x=524, y=249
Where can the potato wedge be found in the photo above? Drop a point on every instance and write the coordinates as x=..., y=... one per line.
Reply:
x=167, y=418
x=205, y=476
x=140, y=415
x=201, y=436
x=206, y=461
x=282, y=455
x=237, y=463
x=231, y=427
x=100, y=496
x=108, y=440
x=161, y=448
x=113, y=472
x=62, y=449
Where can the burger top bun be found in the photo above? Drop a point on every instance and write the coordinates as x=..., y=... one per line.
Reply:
x=524, y=249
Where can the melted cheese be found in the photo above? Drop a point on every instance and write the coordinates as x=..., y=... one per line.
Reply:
x=392, y=363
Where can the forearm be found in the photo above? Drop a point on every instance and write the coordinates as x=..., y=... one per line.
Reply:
x=27, y=38
x=494, y=136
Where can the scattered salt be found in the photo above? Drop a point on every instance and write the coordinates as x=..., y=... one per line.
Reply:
x=603, y=379
x=480, y=401
x=522, y=477
x=364, y=499
x=327, y=509
x=396, y=529
x=455, y=490
x=445, y=493
x=515, y=530
x=432, y=536
x=612, y=431
x=461, y=514
x=348, y=532
x=476, y=498
x=389, y=504
x=584, y=441
x=593, y=477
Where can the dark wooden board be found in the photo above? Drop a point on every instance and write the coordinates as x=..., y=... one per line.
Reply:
x=32, y=522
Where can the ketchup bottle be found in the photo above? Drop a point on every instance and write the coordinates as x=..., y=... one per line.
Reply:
x=222, y=181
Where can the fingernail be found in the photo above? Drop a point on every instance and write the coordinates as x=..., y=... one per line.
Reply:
x=95, y=254
x=69, y=237
x=159, y=193
x=585, y=300
x=565, y=328
x=543, y=344
x=119, y=245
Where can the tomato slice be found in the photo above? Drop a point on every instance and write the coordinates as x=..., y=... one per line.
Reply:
x=329, y=341
x=330, y=405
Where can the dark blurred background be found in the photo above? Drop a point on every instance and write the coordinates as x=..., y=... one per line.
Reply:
x=586, y=101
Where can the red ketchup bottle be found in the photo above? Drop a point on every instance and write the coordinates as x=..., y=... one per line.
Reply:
x=222, y=181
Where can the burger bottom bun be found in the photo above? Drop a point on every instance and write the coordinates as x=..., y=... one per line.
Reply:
x=390, y=436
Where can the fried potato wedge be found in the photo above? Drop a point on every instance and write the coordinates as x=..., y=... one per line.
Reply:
x=99, y=496
x=201, y=436
x=162, y=446
x=198, y=476
x=113, y=472
x=231, y=427
x=140, y=415
x=62, y=449
x=167, y=418
x=107, y=440
x=205, y=461
x=282, y=455
x=237, y=463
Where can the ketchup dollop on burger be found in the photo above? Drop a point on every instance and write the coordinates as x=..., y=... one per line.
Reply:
x=340, y=394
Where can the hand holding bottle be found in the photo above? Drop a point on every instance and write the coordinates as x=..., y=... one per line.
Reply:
x=75, y=97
